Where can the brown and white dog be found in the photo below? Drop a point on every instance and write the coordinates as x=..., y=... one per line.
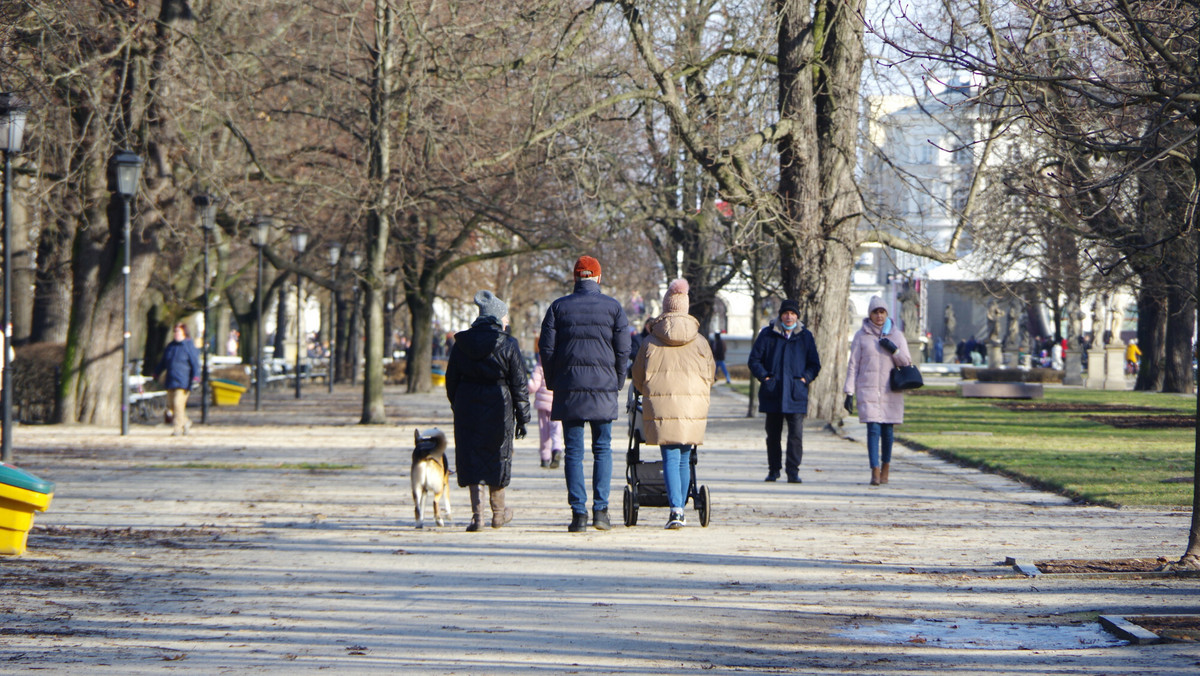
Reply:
x=430, y=475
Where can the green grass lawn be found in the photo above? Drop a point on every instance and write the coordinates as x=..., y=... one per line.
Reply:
x=1060, y=450
x=1063, y=450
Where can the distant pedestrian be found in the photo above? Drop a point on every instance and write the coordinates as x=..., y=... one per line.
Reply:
x=550, y=431
x=876, y=349
x=718, y=353
x=784, y=359
x=674, y=371
x=179, y=368
x=485, y=383
x=585, y=354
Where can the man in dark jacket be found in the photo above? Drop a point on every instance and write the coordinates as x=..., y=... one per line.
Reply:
x=179, y=368
x=784, y=360
x=584, y=348
x=485, y=383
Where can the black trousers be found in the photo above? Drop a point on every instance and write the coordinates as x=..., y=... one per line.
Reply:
x=795, y=441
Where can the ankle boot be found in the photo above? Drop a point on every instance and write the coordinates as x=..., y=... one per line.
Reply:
x=500, y=514
x=476, y=508
x=883, y=472
x=874, y=476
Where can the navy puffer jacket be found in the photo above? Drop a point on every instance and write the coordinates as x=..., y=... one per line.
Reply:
x=585, y=353
x=181, y=362
x=785, y=359
x=485, y=383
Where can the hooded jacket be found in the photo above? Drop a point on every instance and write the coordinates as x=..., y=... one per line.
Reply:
x=869, y=374
x=584, y=347
x=485, y=383
x=674, y=372
x=785, y=359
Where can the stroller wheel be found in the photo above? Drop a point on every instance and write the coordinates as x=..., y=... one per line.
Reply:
x=703, y=505
x=630, y=506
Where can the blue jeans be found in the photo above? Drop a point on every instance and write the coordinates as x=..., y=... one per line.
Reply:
x=875, y=432
x=677, y=473
x=601, y=463
x=722, y=369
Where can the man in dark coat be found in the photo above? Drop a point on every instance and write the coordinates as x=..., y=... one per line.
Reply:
x=784, y=360
x=584, y=348
x=485, y=383
x=179, y=368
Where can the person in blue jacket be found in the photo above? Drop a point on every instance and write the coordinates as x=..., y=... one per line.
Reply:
x=584, y=348
x=179, y=368
x=784, y=360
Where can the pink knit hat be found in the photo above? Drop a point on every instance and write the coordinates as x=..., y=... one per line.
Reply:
x=676, y=299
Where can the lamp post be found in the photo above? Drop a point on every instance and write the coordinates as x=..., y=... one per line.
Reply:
x=206, y=206
x=335, y=252
x=259, y=234
x=355, y=261
x=12, y=129
x=299, y=244
x=124, y=172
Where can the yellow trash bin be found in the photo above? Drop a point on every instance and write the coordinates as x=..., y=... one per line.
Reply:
x=21, y=494
x=226, y=392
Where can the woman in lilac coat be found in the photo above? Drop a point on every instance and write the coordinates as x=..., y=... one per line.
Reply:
x=877, y=348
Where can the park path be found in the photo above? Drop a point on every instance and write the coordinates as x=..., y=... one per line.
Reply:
x=210, y=553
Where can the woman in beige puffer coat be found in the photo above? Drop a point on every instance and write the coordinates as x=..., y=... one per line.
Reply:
x=869, y=377
x=674, y=371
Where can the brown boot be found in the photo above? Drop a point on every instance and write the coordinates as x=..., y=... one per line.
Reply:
x=874, y=476
x=883, y=472
x=500, y=514
x=476, y=508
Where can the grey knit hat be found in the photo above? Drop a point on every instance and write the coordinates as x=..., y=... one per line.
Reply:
x=490, y=305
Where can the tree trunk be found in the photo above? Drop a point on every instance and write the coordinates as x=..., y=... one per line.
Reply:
x=52, y=297
x=421, y=310
x=1181, y=310
x=378, y=216
x=1151, y=333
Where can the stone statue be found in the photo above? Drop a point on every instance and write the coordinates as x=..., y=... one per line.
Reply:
x=1013, y=337
x=994, y=315
x=1097, y=322
x=951, y=323
x=1116, y=319
x=908, y=312
x=1074, y=321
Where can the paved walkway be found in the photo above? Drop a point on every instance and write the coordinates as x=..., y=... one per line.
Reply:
x=214, y=553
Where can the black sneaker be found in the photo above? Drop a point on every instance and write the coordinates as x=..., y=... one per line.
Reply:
x=794, y=479
x=773, y=475
x=675, y=522
x=600, y=519
x=555, y=459
x=578, y=523
x=545, y=464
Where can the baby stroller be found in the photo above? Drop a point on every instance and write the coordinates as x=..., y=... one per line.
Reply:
x=644, y=480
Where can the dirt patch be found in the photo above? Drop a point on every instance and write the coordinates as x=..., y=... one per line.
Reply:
x=1102, y=565
x=1175, y=628
x=932, y=392
x=58, y=537
x=1144, y=421
x=1068, y=407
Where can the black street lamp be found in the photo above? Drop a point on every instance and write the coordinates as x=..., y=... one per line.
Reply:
x=206, y=206
x=299, y=244
x=355, y=261
x=12, y=130
x=124, y=172
x=335, y=252
x=259, y=233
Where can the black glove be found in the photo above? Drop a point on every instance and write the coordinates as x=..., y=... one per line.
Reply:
x=887, y=345
x=520, y=434
x=849, y=404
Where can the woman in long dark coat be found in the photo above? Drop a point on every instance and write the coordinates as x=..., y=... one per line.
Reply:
x=485, y=382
